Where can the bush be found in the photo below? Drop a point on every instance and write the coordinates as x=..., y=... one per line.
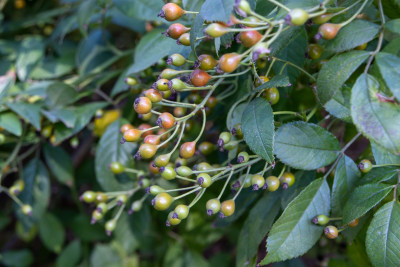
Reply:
x=258, y=130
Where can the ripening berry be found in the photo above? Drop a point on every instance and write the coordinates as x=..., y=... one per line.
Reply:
x=272, y=183
x=228, y=207
x=331, y=232
x=161, y=85
x=213, y=206
x=229, y=62
x=176, y=30
x=153, y=168
x=314, y=51
x=162, y=201
x=126, y=127
x=287, y=180
x=271, y=95
x=131, y=135
x=297, y=17
x=88, y=196
x=328, y=31
x=249, y=38
x=182, y=211
x=171, y=12
x=322, y=18
x=147, y=151
x=176, y=60
x=206, y=62
x=187, y=150
x=204, y=180
x=172, y=219
x=257, y=181
x=152, y=139
x=166, y=120
x=206, y=148
x=117, y=167
x=353, y=223
x=142, y=105
x=242, y=7
x=110, y=226
x=154, y=95
x=179, y=112
x=216, y=30
x=199, y=77
x=212, y=101
x=320, y=219
x=162, y=160
x=184, y=39
x=365, y=166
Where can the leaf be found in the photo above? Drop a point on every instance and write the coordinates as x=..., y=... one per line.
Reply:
x=120, y=85
x=29, y=54
x=140, y=9
x=84, y=14
x=71, y=255
x=60, y=164
x=339, y=105
x=293, y=234
x=393, y=26
x=151, y=48
x=336, y=71
x=303, y=179
x=6, y=82
x=346, y=178
x=109, y=150
x=383, y=236
x=51, y=232
x=258, y=128
x=375, y=119
x=384, y=157
x=17, y=258
x=352, y=35
x=30, y=112
x=276, y=81
x=81, y=227
x=11, y=123
x=235, y=115
x=105, y=256
x=53, y=67
x=363, y=199
x=217, y=10
x=256, y=226
x=378, y=175
x=60, y=94
x=389, y=66
x=124, y=235
x=65, y=115
x=195, y=32
x=305, y=146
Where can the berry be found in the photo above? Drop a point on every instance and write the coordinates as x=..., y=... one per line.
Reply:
x=168, y=74
x=162, y=201
x=136, y=206
x=110, y=226
x=212, y=101
x=247, y=181
x=96, y=216
x=249, y=21
x=184, y=171
x=155, y=190
x=257, y=181
x=147, y=151
x=182, y=211
x=74, y=142
x=102, y=207
x=121, y=199
x=144, y=128
x=272, y=95
x=249, y=38
x=297, y=17
x=243, y=157
x=272, y=183
x=228, y=207
x=126, y=127
x=26, y=209
x=176, y=60
x=206, y=62
x=142, y=105
x=154, y=95
x=168, y=173
x=199, y=77
x=117, y=167
x=216, y=30
x=131, y=135
x=171, y=12
x=162, y=160
x=145, y=117
x=237, y=131
x=314, y=51
x=361, y=47
x=206, y=148
x=242, y=7
x=213, y=206
x=320, y=219
x=172, y=220
x=322, y=18
x=130, y=81
x=101, y=197
x=88, y=196
x=177, y=85
x=17, y=187
x=231, y=145
x=179, y=112
x=180, y=162
x=152, y=139
x=47, y=131
x=187, y=150
x=166, y=120
x=328, y=31
x=353, y=223
x=176, y=30
x=153, y=168
x=287, y=180
x=365, y=166
x=229, y=62
x=331, y=232
x=144, y=183
x=203, y=166
x=261, y=80
x=161, y=85
x=184, y=39
x=224, y=138
x=204, y=180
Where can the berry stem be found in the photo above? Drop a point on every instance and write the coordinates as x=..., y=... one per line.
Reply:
x=185, y=179
x=177, y=104
x=384, y=165
x=181, y=189
x=203, y=126
x=197, y=198
x=279, y=5
x=150, y=129
x=297, y=67
x=248, y=29
x=14, y=198
x=231, y=75
x=155, y=112
x=179, y=139
x=190, y=12
x=259, y=17
x=225, y=185
x=241, y=186
x=187, y=193
x=133, y=171
x=356, y=14
x=282, y=171
x=169, y=138
x=119, y=212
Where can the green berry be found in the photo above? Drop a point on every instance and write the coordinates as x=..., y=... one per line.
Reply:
x=117, y=167
x=168, y=173
x=136, y=206
x=162, y=201
x=257, y=181
x=121, y=199
x=243, y=157
x=162, y=160
x=213, y=206
x=297, y=16
x=155, y=190
x=182, y=211
x=89, y=196
x=204, y=180
x=184, y=171
x=102, y=208
x=26, y=209
x=365, y=166
x=331, y=232
x=272, y=183
x=172, y=220
x=287, y=180
x=320, y=219
x=110, y=226
x=228, y=207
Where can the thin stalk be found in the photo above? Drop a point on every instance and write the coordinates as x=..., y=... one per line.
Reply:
x=197, y=198
x=356, y=14
x=225, y=185
x=203, y=126
x=188, y=193
x=169, y=138
x=241, y=186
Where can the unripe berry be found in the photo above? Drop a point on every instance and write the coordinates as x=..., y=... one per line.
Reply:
x=184, y=39
x=213, y=206
x=216, y=30
x=130, y=81
x=212, y=101
x=314, y=51
x=17, y=187
x=229, y=62
x=353, y=223
x=249, y=38
x=237, y=131
x=179, y=112
x=172, y=220
x=287, y=180
x=162, y=160
x=168, y=74
x=228, y=207
x=101, y=197
x=272, y=183
x=142, y=105
x=199, y=77
x=154, y=95
x=152, y=139
x=271, y=95
x=126, y=127
x=322, y=18
x=144, y=183
x=131, y=135
x=110, y=226
x=102, y=208
x=161, y=85
x=136, y=206
x=117, y=167
x=242, y=7
x=247, y=181
x=147, y=151
x=206, y=148
x=168, y=173
x=320, y=219
x=224, y=138
x=365, y=166
x=26, y=209
x=204, y=180
x=361, y=47
x=46, y=131
x=257, y=181
x=177, y=85
x=206, y=62
x=180, y=162
x=182, y=211
x=184, y=171
x=243, y=157
x=331, y=232
x=176, y=60
x=176, y=30
x=297, y=17
x=171, y=12
x=121, y=199
x=162, y=201
x=251, y=21
x=203, y=166
x=187, y=150
x=88, y=196
x=328, y=31
x=155, y=190
x=261, y=80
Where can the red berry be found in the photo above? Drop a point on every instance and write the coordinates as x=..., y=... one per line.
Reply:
x=328, y=31
x=166, y=120
x=152, y=139
x=143, y=127
x=176, y=30
x=142, y=105
x=249, y=38
x=229, y=62
x=199, y=77
x=132, y=135
x=171, y=12
x=187, y=150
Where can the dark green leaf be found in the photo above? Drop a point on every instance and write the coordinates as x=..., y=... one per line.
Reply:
x=290, y=263
x=346, y=178
x=258, y=128
x=393, y=25
x=256, y=226
x=391, y=8
x=105, y=256
x=363, y=199
x=30, y=112
x=377, y=120
x=276, y=81
x=339, y=105
x=60, y=94
x=81, y=227
x=140, y=9
x=235, y=115
x=60, y=164
x=217, y=10
x=303, y=179
x=65, y=115
x=17, y=258
x=29, y=54
x=389, y=66
x=51, y=232
x=71, y=255
x=51, y=68
x=84, y=14
x=5, y=84
x=351, y=233
x=352, y=35
x=293, y=234
x=11, y=123
x=393, y=47
x=384, y=157
x=120, y=85
x=195, y=32
x=378, y=175
x=305, y=146
x=124, y=235
x=109, y=150
x=336, y=71
x=383, y=236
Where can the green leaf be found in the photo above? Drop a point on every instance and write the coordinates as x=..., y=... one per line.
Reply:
x=140, y=9
x=53, y=67
x=30, y=112
x=60, y=164
x=51, y=232
x=336, y=71
x=30, y=53
x=81, y=227
x=276, y=81
x=293, y=234
x=195, y=32
x=384, y=157
x=6, y=82
x=217, y=10
x=258, y=128
x=124, y=235
x=105, y=256
x=383, y=236
x=109, y=150
x=65, y=115
x=303, y=179
x=235, y=115
x=305, y=146
x=363, y=199
x=120, y=85
x=256, y=226
x=84, y=14
x=352, y=35
x=17, y=258
x=70, y=255
x=378, y=175
x=60, y=94
x=11, y=123
x=346, y=178
x=393, y=26
x=375, y=119
x=389, y=66
x=339, y=105
x=391, y=8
